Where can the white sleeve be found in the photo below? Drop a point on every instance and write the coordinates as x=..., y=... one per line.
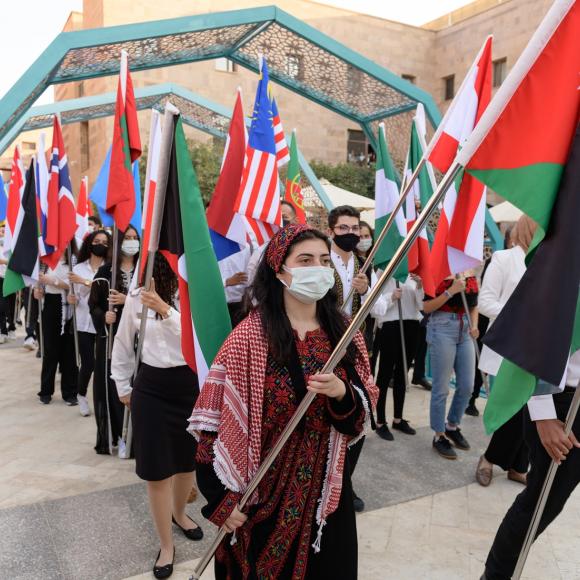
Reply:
x=380, y=307
x=488, y=301
x=542, y=407
x=253, y=263
x=123, y=357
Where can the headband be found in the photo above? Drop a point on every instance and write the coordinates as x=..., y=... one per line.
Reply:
x=281, y=242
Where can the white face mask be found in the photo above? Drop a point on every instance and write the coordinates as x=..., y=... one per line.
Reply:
x=364, y=245
x=130, y=247
x=310, y=283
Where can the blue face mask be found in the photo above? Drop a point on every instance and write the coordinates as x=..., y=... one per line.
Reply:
x=310, y=283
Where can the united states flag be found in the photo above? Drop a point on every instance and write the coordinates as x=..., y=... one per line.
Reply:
x=259, y=194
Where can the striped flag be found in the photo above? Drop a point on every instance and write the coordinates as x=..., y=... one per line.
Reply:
x=259, y=193
x=126, y=149
x=61, y=212
x=184, y=241
x=22, y=268
x=458, y=244
x=282, y=152
x=14, y=206
x=82, y=212
x=42, y=177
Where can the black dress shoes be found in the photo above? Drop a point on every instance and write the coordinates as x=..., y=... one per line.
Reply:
x=194, y=534
x=163, y=571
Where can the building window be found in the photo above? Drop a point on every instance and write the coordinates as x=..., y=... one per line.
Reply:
x=449, y=87
x=409, y=78
x=293, y=66
x=225, y=65
x=85, y=159
x=357, y=147
x=499, y=71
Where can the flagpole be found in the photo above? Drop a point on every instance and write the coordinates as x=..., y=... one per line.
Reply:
x=17, y=307
x=484, y=378
x=113, y=286
x=337, y=355
x=28, y=307
x=403, y=349
x=74, y=309
x=544, y=494
x=158, y=206
x=40, y=309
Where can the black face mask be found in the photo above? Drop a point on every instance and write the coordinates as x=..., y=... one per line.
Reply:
x=99, y=250
x=347, y=242
x=285, y=222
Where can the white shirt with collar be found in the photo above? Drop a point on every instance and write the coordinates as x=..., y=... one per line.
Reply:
x=84, y=319
x=501, y=278
x=254, y=261
x=411, y=301
x=231, y=265
x=60, y=275
x=161, y=347
x=542, y=406
x=346, y=273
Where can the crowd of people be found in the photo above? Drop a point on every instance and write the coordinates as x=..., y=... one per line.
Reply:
x=289, y=303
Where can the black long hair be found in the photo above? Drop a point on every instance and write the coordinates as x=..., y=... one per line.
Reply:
x=166, y=283
x=85, y=251
x=268, y=293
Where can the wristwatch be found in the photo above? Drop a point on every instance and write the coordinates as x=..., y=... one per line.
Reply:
x=168, y=313
x=87, y=283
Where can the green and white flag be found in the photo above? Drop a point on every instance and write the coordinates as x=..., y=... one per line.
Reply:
x=386, y=197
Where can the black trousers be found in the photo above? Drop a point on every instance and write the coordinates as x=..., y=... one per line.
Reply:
x=388, y=344
x=510, y=536
x=32, y=316
x=482, y=325
x=87, y=352
x=420, y=354
x=58, y=350
x=7, y=306
x=507, y=448
x=353, y=454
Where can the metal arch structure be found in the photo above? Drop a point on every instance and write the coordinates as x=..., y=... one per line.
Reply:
x=323, y=70
x=196, y=111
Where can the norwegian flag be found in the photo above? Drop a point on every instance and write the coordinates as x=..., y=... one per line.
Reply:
x=82, y=212
x=259, y=192
x=61, y=211
x=42, y=179
x=458, y=244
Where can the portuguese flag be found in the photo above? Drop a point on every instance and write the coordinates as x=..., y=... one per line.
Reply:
x=293, y=192
x=185, y=242
x=520, y=149
x=386, y=198
x=126, y=148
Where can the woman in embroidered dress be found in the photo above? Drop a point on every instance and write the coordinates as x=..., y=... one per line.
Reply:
x=257, y=380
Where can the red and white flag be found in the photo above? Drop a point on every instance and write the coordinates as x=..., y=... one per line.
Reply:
x=282, y=151
x=14, y=206
x=61, y=222
x=458, y=244
x=82, y=212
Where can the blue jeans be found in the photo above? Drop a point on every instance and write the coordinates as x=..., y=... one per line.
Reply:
x=451, y=348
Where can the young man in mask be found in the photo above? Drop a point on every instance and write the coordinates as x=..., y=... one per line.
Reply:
x=344, y=231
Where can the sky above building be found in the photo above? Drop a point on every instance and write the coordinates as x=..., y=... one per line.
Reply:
x=29, y=27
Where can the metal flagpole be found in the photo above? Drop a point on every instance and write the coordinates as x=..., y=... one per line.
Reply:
x=550, y=475
x=72, y=293
x=113, y=286
x=28, y=307
x=403, y=349
x=17, y=306
x=336, y=355
x=158, y=205
x=484, y=377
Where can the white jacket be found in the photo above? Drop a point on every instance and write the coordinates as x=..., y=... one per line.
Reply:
x=501, y=278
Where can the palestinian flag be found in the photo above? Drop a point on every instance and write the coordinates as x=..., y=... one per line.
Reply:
x=293, y=193
x=126, y=148
x=522, y=148
x=386, y=198
x=184, y=240
x=22, y=268
x=419, y=256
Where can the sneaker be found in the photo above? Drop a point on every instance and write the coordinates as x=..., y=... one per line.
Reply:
x=71, y=401
x=83, y=406
x=423, y=382
x=458, y=439
x=357, y=502
x=44, y=399
x=404, y=427
x=443, y=447
x=29, y=343
x=384, y=433
x=11, y=335
x=122, y=449
x=472, y=410
x=3, y=338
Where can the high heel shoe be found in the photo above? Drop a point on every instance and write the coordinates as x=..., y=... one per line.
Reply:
x=194, y=534
x=163, y=571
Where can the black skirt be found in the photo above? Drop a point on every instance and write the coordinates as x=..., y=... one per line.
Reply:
x=161, y=404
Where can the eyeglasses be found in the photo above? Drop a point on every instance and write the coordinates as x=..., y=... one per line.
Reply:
x=344, y=229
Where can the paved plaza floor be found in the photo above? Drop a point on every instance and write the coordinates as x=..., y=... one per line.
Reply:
x=69, y=514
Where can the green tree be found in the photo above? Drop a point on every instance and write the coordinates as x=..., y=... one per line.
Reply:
x=356, y=178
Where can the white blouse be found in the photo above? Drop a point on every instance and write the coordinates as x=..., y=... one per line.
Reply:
x=60, y=275
x=411, y=301
x=161, y=347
